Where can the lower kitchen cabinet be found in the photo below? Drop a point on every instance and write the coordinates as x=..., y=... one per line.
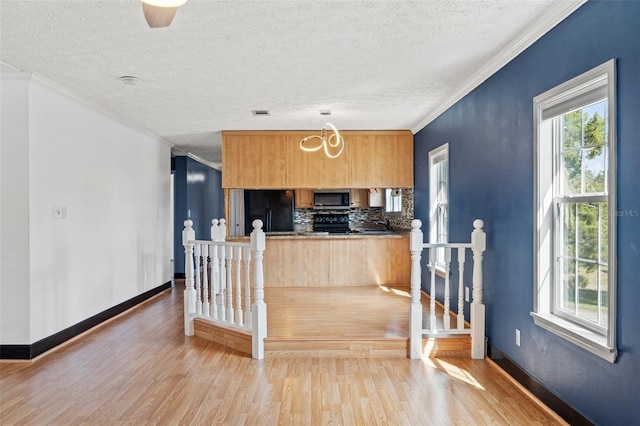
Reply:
x=370, y=261
x=300, y=261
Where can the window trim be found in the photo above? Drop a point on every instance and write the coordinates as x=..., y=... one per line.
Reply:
x=390, y=204
x=434, y=156
x=580, y=88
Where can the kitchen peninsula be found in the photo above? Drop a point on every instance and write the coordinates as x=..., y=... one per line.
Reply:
x=270, y=160
x=319, y=260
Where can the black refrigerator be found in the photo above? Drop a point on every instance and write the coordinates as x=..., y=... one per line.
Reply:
x=273, y=207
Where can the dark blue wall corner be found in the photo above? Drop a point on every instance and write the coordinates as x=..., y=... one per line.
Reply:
x=490, y=136
x=198, y=196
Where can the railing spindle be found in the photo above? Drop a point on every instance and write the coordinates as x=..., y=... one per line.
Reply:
x=198, y=283
x=222, y=310
x=230, y=313
x=205, y=280
x=239, y=319
x=446, y=318
x=247, y=287
x=215, y=280
x=460, y=316
x=432, y=290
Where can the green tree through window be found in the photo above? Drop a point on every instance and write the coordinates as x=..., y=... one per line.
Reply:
x=584, y=225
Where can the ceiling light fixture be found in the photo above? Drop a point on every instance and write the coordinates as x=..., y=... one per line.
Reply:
x=160, y=13
x=129, y=80
x=333, y=145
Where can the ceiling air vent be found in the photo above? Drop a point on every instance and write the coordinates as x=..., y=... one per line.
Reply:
x=260, y=112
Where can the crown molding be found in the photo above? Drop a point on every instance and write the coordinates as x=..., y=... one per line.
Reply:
x=177, y=152
x=44, y=81
x=555, y=15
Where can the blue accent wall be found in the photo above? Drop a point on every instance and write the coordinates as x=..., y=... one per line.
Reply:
x=490, y=136
x=198, y=196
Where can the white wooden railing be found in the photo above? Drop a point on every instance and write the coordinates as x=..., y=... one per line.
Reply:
x=225, y=282
x=442, y=327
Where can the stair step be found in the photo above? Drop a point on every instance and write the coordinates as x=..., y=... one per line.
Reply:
x=227, y=336
x=336, y=348
x=446, y=347
x=397, y=347
x=352, y=347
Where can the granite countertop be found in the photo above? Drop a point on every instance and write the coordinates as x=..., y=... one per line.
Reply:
x=325, y=235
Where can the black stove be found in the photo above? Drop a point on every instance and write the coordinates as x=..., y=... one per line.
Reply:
x=335, y=223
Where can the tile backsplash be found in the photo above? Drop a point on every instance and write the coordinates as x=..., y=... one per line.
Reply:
x=361, y=217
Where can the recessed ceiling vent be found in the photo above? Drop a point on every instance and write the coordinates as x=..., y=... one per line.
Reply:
x=260, y=112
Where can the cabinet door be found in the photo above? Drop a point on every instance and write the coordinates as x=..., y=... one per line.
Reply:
x=304, y=198
x=254, y=160
x=315, y=169
x=381, y=159
x=359, y=197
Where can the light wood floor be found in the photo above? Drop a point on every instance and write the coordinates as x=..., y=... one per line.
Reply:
x=338, y=312
x=140, y=369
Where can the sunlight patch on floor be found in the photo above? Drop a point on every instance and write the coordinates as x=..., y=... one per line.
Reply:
x=387, y=289
x=452, y=370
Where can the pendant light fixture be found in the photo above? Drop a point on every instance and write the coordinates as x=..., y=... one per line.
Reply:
x=160, y=13
x=332, y=144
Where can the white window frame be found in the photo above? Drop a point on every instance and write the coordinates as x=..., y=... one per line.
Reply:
x=573, y=94
x=439, y=200
x=393, y=201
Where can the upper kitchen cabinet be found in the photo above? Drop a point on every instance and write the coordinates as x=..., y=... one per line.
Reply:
x=315, y=169
x=273, y=160
x=304, y=198
x=380, y=159
x=254, y=160
x=359, y=197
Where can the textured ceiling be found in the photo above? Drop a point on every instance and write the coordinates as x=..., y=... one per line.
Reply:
x=374, y=64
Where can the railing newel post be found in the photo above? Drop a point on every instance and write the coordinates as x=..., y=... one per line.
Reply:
x=415, y=314
x=259, y=308
x=188, y=236
x=478, y=247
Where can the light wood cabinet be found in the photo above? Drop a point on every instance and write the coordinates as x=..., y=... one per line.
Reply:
x=273, y=159
x=304, y=198
x=315, y=169
x=367, y=261
x=359, y=197
x=381, y=159
x=296, y=263
x=254, y=160
x=327, y=261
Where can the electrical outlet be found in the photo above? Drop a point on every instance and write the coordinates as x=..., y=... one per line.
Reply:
x=58, y=212
x=517, y=337
x=466, y=294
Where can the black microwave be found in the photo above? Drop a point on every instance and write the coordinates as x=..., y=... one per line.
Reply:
x=331, y=200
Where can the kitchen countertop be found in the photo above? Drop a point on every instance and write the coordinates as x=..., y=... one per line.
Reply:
x=326, y=235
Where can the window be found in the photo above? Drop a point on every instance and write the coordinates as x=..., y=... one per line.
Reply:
x=393, y=201
x=574, y=294
x=439, y=200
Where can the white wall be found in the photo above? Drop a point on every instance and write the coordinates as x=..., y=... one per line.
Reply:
x=114, y=181
x=14, y=209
